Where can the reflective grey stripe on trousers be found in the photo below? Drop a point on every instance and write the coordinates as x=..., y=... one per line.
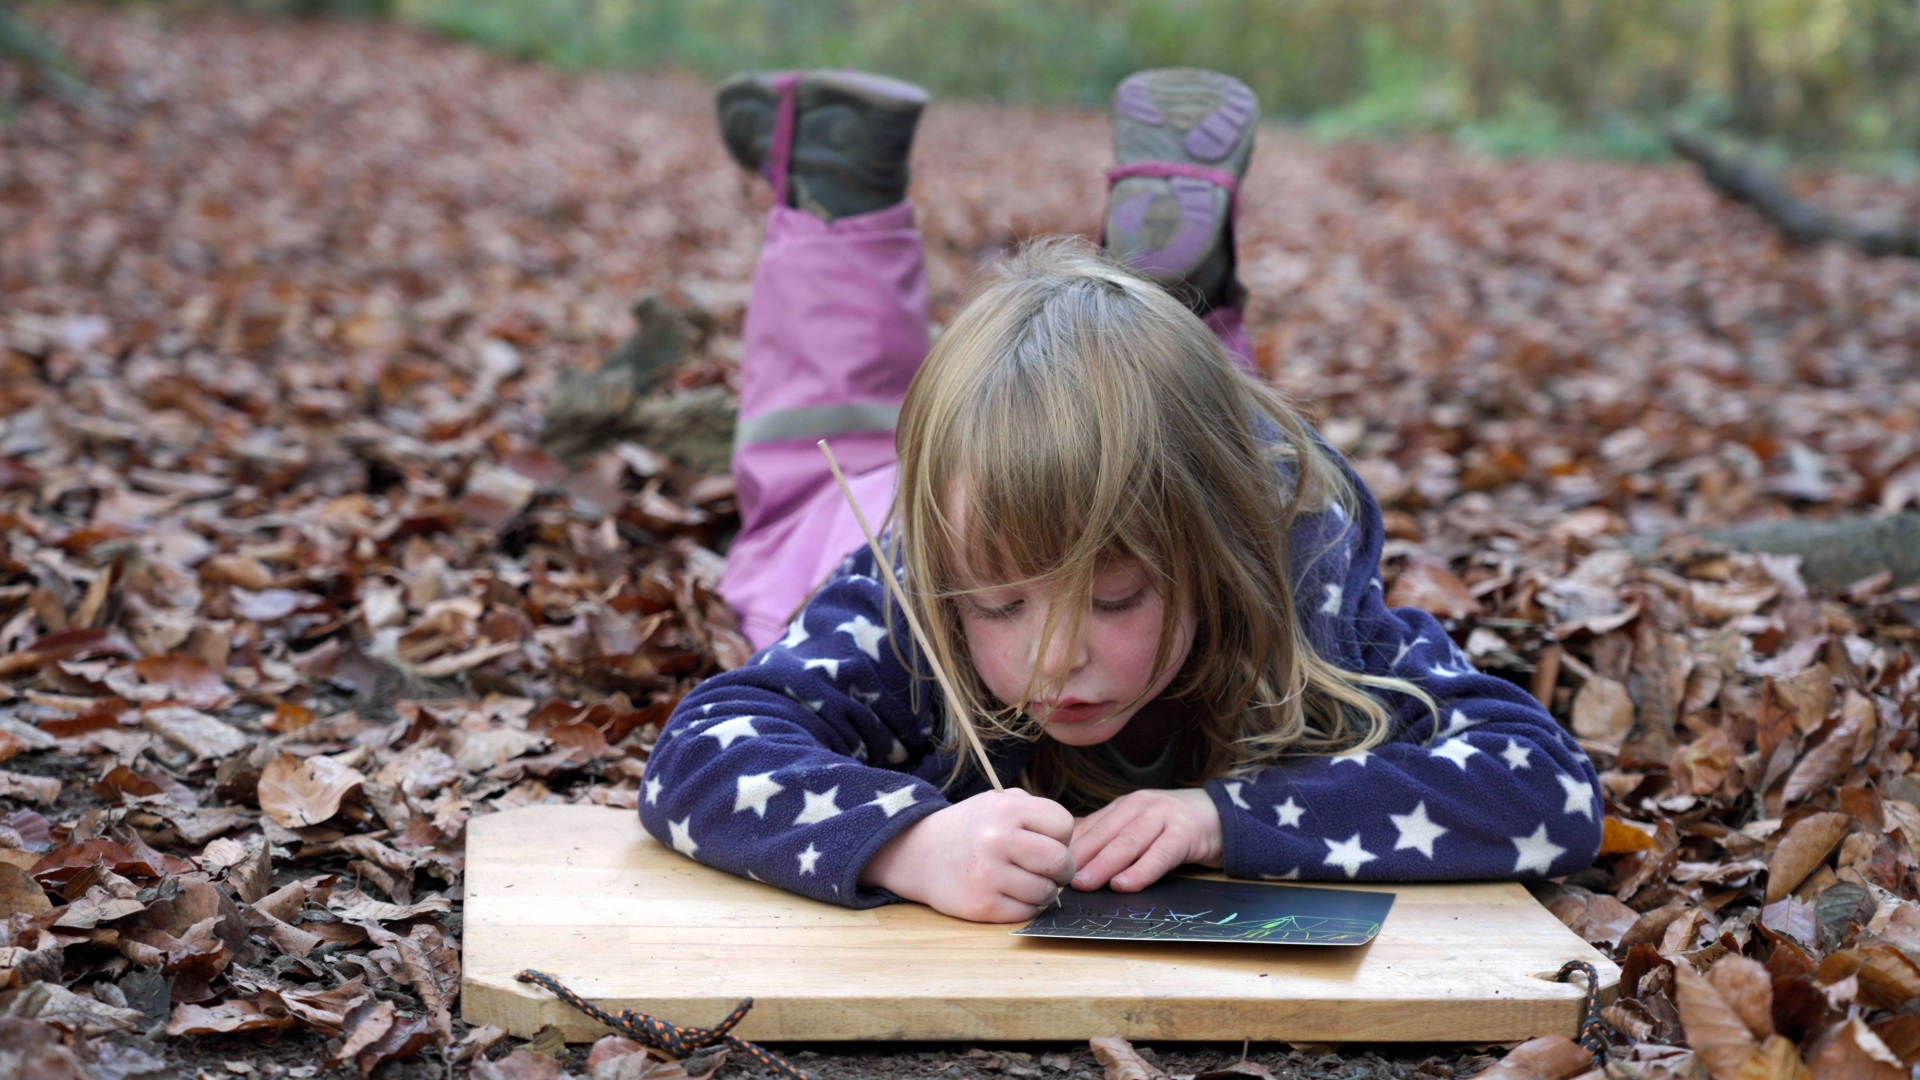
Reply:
x=816, y=423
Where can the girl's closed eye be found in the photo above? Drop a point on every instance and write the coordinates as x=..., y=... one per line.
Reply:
x=999, y=611
x=1011, y=608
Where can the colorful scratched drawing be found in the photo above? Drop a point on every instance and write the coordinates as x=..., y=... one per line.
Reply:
x=1197, y=909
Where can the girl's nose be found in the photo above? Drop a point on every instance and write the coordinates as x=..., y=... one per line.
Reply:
x=1062, y=656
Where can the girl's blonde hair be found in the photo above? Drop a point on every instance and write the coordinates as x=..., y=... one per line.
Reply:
x=1088, y=416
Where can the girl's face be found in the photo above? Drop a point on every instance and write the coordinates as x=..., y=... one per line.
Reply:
x=1104, y=674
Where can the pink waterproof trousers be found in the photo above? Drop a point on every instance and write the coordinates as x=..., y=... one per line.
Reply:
x=836, y=326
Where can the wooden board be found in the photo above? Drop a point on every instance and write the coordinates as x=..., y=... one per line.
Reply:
x=585, y=894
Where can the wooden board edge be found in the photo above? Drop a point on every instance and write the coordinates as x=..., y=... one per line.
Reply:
x=522, y=1010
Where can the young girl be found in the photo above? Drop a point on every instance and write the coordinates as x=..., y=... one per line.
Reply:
x=1157, y=590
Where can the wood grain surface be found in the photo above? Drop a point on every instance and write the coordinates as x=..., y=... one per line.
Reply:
x=585, y=894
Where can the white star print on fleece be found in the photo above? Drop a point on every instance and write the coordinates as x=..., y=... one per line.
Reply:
x=776, y=769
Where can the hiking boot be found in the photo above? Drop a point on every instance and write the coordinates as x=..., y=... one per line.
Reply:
x=846, y=143
x=1182, y=138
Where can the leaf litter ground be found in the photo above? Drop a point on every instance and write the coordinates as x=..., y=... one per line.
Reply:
x=290, y=592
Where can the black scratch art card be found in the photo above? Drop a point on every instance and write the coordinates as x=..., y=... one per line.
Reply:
x=1194, y=909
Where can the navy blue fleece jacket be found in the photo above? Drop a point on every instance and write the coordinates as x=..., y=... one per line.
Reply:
x=797, y=767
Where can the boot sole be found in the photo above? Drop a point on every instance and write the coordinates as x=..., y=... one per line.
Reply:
x=1188, y=116
x=746, y=104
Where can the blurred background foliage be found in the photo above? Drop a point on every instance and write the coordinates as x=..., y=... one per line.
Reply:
x=1827, y=78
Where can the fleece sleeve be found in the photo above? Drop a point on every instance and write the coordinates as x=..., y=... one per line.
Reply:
x=795, y=768
x=1491, y=788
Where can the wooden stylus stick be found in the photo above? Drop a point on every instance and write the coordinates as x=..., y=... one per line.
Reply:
x=885, y=572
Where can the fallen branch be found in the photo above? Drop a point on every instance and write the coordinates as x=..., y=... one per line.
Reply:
x=1799, y=221
x=1834, y=554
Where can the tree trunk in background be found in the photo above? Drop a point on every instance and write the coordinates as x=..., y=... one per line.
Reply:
x=1749, y=78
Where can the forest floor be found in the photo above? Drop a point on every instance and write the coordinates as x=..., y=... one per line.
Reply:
x=290, y=592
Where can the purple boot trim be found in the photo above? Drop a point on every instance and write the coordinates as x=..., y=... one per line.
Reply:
x=1192, y=188
x=1175, y=168
x=1136, y=104
x=780, y=151
x=1217, y=135
x=1228, y=326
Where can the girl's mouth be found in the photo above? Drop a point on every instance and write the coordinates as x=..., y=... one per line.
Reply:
x=1070, y=711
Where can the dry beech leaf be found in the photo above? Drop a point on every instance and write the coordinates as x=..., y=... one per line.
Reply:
x=37, y=1051
x=79, y=1013
x=1856, y=1053
x=188, y=679
x=428, y=965
x=297, y=793
x=1747, y=989
x=1602, y=711
x=477, y=1041
x=1804, y=847
x=1122, y=1061
x=1427, y=584
x=1777, y=1059
x=1617, y=837
x=1714, y=1029
x=405, y=1037
x=1888, y=978
x=1549, y=1057
x=237, y=570
x=41, y=789
x=226, y=1018
x=1807, y=697
x=20, y=893
x=1902, y=1036
x=1793, y=917
x=96, y=907
x=361, y=1025
x=608, y=1047
x=1596, y=917
x=1700, y=767
x=200, y=735
x=519, y=1065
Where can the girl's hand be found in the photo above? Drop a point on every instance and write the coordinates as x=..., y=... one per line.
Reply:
x=1135, y=839
x=999, y=856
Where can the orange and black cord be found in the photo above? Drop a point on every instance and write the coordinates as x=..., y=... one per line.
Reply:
x=679, y=1042
x=1593, y=1029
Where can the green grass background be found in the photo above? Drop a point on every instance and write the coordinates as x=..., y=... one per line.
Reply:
x=1832, y=79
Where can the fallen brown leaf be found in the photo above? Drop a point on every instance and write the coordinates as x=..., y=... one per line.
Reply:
x=1804, y=847
x=1121, y=1060
x=41, y=789
x=35, y=1051
x=1617, y=837
x=1427, y=584
x=1714, y=1028
x=19, y=892
x=187, y=679
x=1856, y=1053
x=51, y=1003
x=226, y=1018
x=519, y=1065
x=297, y=793
x=1602, y=711
x=1748, y=990
x=361, y=1026
x=1777, y=1059
x=1549, y=1057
